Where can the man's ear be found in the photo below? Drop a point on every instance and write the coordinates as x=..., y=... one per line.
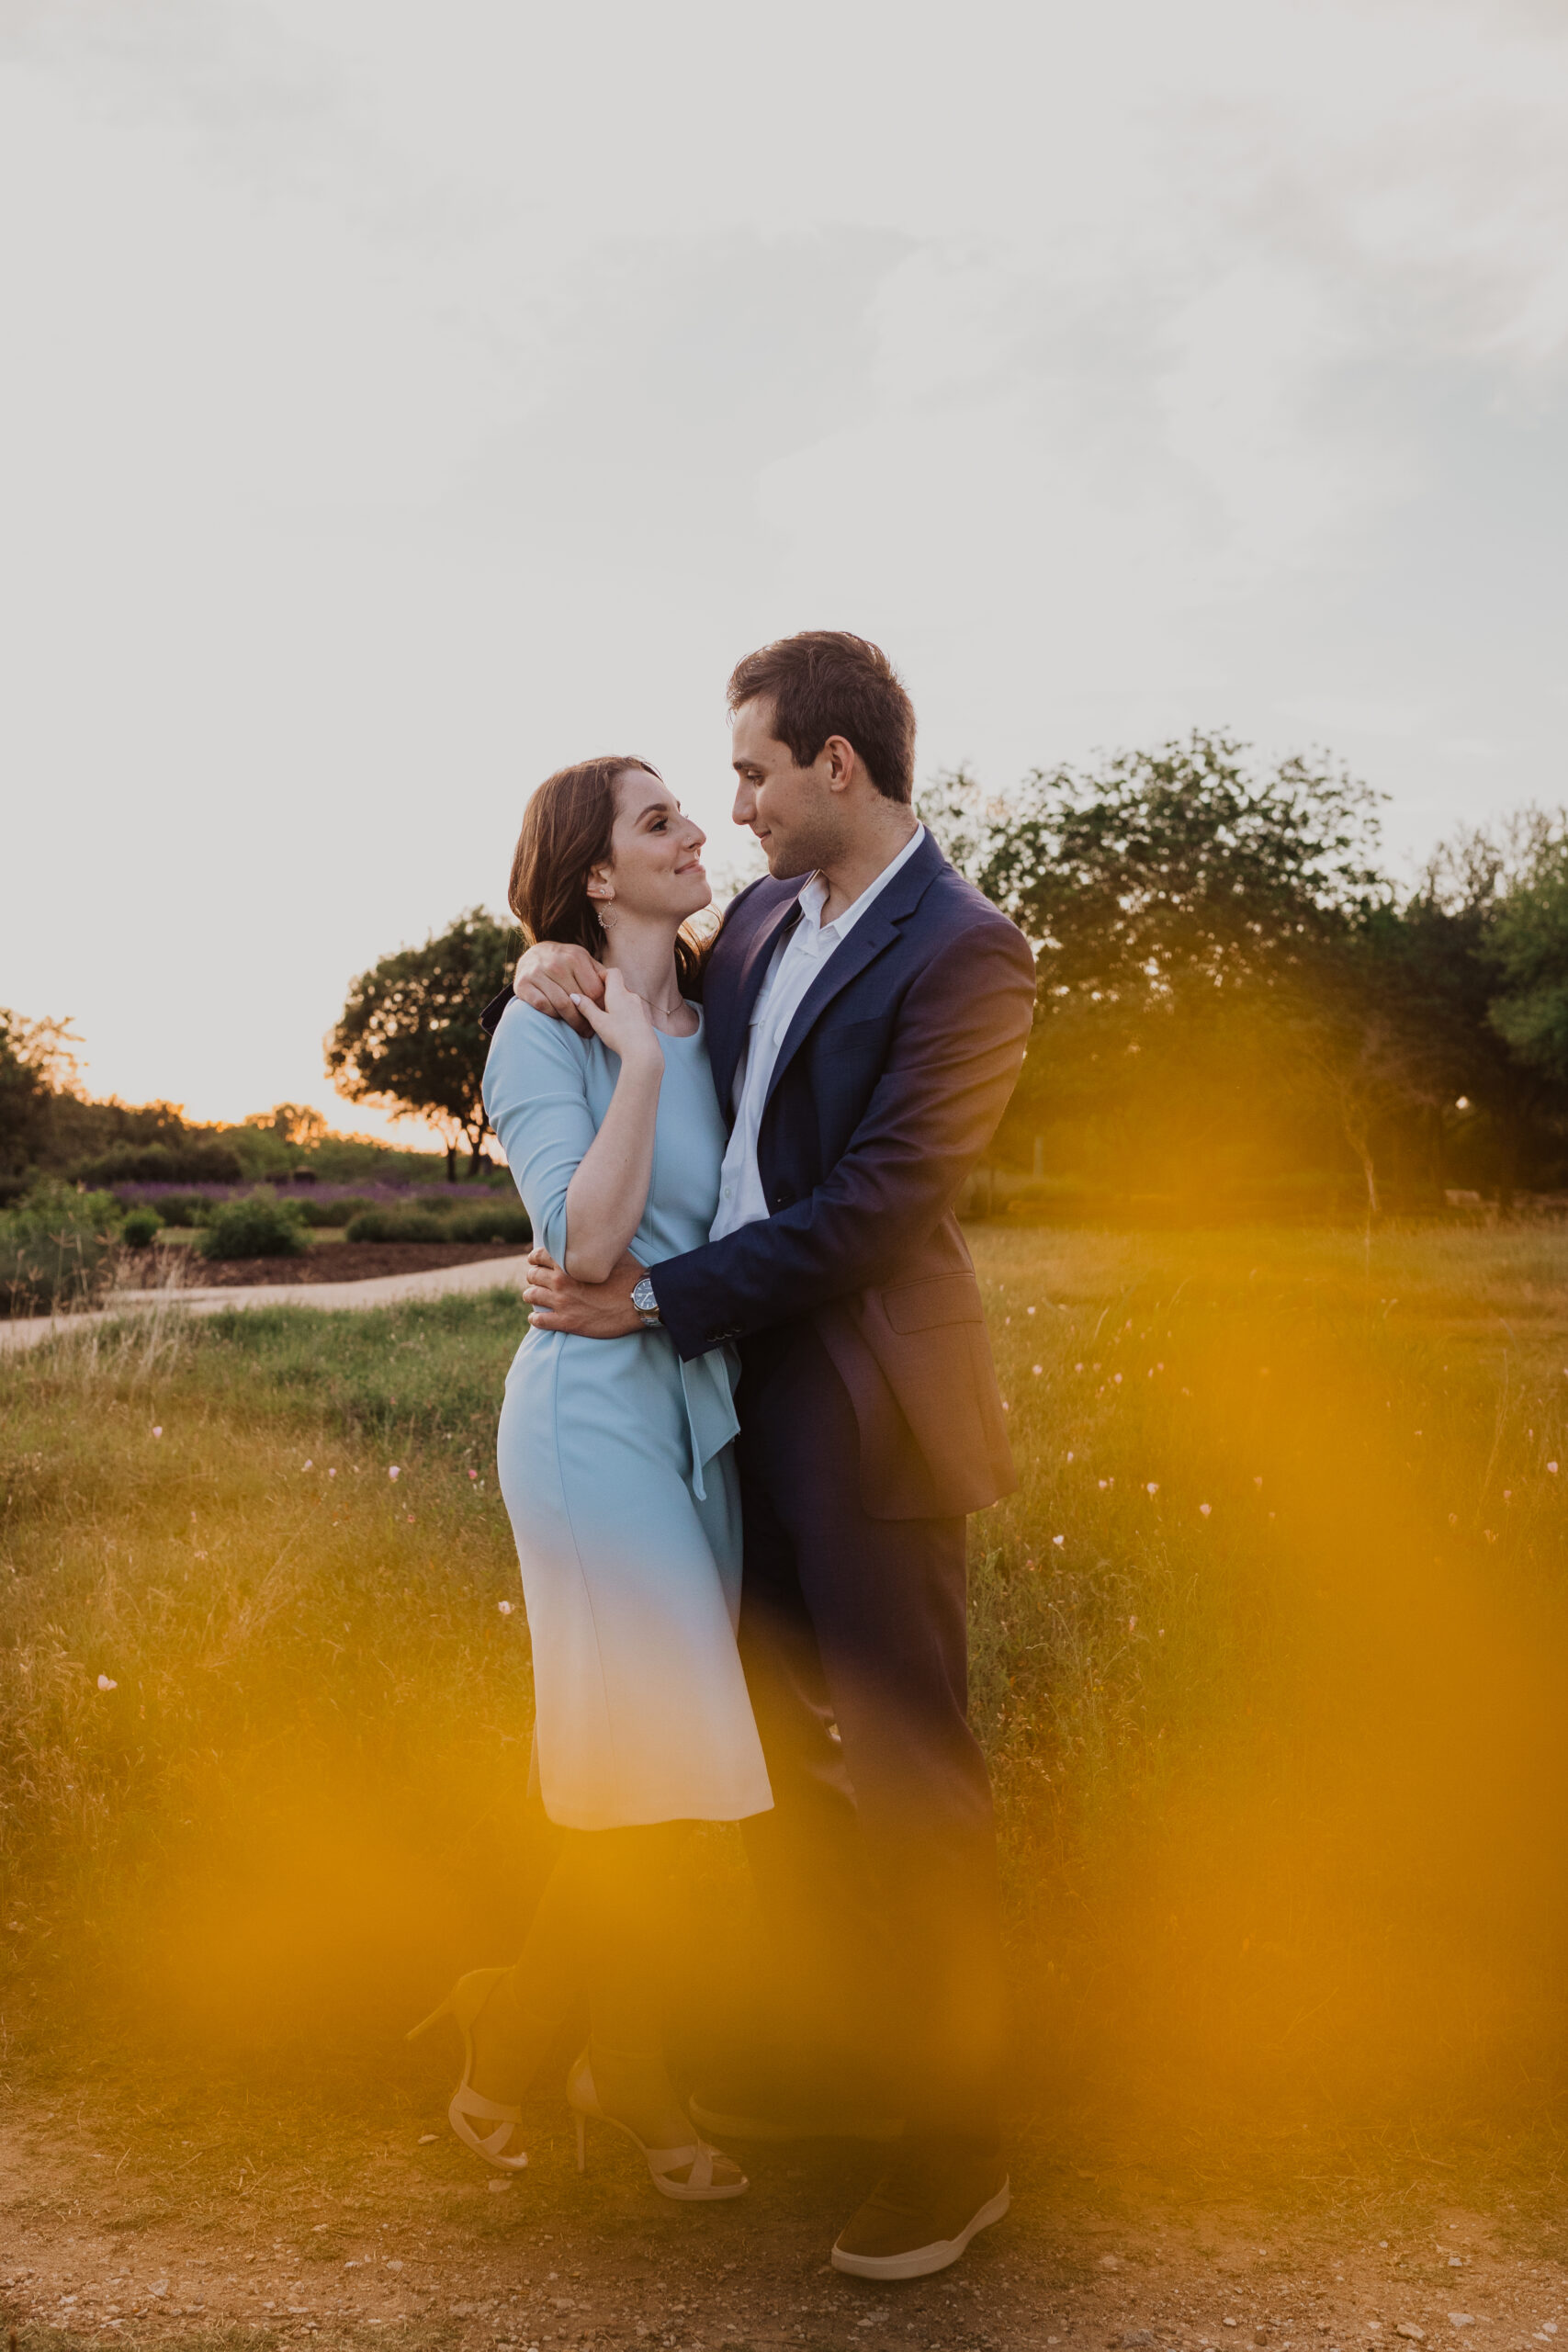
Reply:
x=840, y=756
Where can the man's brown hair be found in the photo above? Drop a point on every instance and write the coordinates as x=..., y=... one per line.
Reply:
x=824, y=682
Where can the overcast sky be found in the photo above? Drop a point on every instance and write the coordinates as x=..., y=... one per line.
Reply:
x=397, y=401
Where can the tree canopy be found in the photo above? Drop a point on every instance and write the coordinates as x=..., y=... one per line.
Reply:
x=409, y=1039
x=1229, y=980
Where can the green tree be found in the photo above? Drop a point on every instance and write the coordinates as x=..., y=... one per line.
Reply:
x=1529, y=952
x=1191, y=915
x=37, y=1063
x=1443, y=970
x=409, y=1037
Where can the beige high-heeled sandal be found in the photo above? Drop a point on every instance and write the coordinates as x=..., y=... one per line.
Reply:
x=470, y=2106
x=665, y=2166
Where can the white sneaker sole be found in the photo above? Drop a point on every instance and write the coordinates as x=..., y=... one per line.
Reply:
x=921, y=2260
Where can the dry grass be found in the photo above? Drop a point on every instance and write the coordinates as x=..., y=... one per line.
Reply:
x=1281, y=1783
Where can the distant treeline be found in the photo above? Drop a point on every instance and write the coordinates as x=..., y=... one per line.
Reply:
x=1240, y=1010
x=1238, y=1005
x=50, y=1128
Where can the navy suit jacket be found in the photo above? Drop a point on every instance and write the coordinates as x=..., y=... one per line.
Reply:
x=888, y=1087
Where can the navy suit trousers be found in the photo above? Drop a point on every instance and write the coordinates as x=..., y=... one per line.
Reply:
x=877, y=1870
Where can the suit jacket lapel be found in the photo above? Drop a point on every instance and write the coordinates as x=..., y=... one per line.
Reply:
x=877, y=929
x=727, y=1035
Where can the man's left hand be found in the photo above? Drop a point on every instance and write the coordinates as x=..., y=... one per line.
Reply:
x=593, y=1310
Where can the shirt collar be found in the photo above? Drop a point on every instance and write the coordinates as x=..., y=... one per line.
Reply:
x=814, y=898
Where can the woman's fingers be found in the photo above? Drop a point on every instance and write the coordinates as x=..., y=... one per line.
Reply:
x=593, y=1015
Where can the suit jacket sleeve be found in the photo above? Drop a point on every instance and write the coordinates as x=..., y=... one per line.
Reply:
x=957, y=1048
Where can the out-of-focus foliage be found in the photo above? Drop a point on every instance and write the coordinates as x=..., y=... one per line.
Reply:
x=398, y=1224
x=1236, y=1001
x=57, y=1249
x=36, y=1062
x=258, y=1225
x=330, y=1213
x=409, y=1038
x=1529, y=956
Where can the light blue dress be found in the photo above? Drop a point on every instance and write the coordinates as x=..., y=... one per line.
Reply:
x=616, y=1462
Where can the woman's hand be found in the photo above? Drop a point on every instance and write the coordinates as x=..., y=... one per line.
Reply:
x=624, y=1023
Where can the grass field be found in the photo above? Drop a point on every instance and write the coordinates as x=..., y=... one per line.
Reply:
x=1268, y=1658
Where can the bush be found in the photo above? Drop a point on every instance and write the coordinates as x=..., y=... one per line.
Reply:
x=499, y=1223
x=162, y=1163
x=56, y=1249
x=141, y=1227
x=183, y=1208
x=328, y=1212
x=398, y=1224
x=258, y=1225
x=503, y=1222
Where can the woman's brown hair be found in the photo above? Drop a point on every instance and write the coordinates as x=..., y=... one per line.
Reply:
x=568, y=827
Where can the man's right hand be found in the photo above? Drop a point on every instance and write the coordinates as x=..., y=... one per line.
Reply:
x=547, y=977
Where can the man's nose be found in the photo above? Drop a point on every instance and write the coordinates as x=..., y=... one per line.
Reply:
x=745, y=807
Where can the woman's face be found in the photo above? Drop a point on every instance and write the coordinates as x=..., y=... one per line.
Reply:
x=655, y=865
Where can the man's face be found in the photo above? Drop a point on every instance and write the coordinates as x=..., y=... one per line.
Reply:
x=793, y=812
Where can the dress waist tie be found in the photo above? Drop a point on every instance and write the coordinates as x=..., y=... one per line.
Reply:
x=709, y=1386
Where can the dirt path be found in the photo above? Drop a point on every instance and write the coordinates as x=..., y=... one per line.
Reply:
x=178, y=2231
x=490, y=1272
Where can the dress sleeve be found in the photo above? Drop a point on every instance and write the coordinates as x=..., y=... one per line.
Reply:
x=535, y=1096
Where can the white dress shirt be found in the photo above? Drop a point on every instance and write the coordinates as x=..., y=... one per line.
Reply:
x=798, y=959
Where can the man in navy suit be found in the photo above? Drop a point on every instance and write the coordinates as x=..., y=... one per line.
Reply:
x=865, y=1026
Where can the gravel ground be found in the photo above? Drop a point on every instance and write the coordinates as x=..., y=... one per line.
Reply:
x=162, y=2233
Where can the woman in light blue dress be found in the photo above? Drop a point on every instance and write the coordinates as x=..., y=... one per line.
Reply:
x=617, y=1463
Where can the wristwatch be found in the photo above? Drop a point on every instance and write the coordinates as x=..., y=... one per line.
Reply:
x=645, y=1302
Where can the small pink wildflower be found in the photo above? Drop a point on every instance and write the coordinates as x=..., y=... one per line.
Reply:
x=309, y=1465
x=392, y=1471
x=504, y=1607
x=1152, y=1487
x=104, y=1684
x=158, y=1431
x=1205, y=1509
x=1037, y=1369
x=1058, y=1539
x=1552, y=1467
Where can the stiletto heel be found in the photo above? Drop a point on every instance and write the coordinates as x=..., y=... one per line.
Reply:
x=442, y=2009
x=463, y=2005
x=696, y=2161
